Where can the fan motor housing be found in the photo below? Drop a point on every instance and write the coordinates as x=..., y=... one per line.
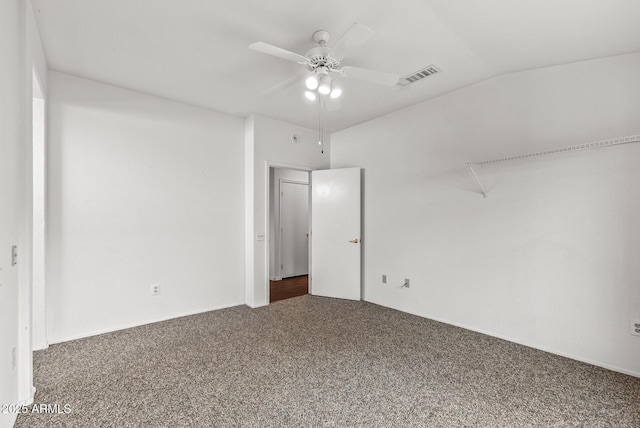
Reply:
x=318, y=57
x=321, y=37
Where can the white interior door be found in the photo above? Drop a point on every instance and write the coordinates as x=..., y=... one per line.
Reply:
x=294, y=229
x=335, y=228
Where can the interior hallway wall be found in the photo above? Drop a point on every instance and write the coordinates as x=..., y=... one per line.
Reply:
x=275, y=175
x=142, y=190
x=21, y=53
x=550, y=258
x=37, y=69
x=13, y=106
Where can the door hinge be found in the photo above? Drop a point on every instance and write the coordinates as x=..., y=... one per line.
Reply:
x=14, y=255
x=281, y=267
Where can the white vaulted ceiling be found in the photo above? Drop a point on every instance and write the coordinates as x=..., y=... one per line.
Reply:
x=195, y=51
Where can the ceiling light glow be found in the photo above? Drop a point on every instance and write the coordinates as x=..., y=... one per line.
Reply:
x=336, y=93
x=325, y=85
x=311, y=96
x=312, y=82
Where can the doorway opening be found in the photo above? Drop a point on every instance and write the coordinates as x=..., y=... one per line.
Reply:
x=288, y=233
x=39, y=156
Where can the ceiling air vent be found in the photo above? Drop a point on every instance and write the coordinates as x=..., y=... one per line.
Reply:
x=419, y=75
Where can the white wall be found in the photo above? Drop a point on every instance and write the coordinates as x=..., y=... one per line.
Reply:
x=275, y=175
x=141, y=190
x=35, y=68
x=550, y=258
x=39, y=321
x=12, y=138
x=21, y=52
x=268, y=142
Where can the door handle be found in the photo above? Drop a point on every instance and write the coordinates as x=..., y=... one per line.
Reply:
x=354, y=241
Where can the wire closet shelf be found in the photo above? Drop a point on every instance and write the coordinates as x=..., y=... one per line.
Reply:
x=555, y=151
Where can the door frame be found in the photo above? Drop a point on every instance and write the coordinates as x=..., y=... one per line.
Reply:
x=279, y=232
x=275, y=164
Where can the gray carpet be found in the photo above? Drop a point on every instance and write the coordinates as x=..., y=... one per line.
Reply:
x=310, y=362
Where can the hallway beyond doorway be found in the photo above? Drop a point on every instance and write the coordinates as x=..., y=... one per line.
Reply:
x=288, y=287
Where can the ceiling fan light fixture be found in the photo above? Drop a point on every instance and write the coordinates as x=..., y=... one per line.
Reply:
x=311, y=96
x=311, y=82
x=324, y=89
x=336, y=92
x=325, y=85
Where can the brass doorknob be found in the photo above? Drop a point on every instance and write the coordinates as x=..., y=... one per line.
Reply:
x=354, y=241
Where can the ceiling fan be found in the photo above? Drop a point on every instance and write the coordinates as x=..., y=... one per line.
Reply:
x=323, y=60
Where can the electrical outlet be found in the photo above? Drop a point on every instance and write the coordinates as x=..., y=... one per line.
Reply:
x=634, y=327
x=260, y=236
x=384, y=278
x=155, y=289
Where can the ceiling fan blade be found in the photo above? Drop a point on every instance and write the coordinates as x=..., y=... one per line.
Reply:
x=281, y=86
x=332, y=104
x=276, y=51
x=354, y=37
x=372, y=76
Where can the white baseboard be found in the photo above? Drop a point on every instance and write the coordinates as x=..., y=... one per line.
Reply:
x=29, y=400
x=8, y=420
x=132, y=325
x=40, y=347
x=258, y=306
x=519, y=342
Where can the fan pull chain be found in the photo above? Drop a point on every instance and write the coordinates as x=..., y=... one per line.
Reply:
x=321, y=124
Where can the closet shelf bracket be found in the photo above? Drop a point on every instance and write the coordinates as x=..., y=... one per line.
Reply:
x=470, y=165
x=549, y=152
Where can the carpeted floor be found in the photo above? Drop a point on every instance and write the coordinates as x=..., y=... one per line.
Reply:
x=312, y=361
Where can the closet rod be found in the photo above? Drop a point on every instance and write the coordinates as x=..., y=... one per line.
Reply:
x=566, y=149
